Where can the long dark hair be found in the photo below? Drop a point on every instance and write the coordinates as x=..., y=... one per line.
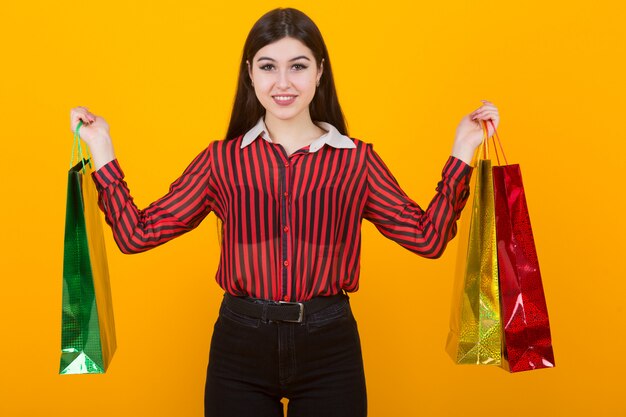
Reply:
x=271, y=27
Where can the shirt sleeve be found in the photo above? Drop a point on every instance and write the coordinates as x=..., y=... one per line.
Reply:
x=189, y=200
x=402, y=220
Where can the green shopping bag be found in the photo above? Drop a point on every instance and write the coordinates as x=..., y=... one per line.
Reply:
x=87, y=328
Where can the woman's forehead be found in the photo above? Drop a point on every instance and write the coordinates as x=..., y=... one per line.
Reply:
x=284, y=50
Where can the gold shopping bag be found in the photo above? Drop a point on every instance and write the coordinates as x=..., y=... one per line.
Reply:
x=475, y=330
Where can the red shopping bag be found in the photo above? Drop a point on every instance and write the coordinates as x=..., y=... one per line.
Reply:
x=526, y=328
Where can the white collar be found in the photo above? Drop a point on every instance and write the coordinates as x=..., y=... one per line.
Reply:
x=332, y=137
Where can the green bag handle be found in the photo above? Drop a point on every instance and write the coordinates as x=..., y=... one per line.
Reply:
x=77, y=140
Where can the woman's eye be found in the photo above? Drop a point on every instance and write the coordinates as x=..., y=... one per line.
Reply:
x=269, y=67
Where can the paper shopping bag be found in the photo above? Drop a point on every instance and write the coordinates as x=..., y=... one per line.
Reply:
x=475, y=329
x=526, y=327
x=87, y=328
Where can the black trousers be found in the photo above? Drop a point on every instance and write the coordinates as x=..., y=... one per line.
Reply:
x=316, y=364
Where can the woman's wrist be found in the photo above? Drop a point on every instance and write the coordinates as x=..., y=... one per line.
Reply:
x=102, y=151
x=463, y=152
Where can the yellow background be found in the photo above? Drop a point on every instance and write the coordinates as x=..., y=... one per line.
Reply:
x=163, y=75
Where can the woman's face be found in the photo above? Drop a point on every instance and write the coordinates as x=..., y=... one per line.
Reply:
x=285, y=76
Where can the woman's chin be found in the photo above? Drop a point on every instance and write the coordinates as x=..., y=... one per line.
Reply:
x=285, y=114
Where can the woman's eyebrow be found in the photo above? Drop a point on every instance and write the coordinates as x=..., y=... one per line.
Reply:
x=292, y=59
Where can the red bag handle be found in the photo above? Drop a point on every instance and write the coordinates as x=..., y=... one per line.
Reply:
x=495, y=131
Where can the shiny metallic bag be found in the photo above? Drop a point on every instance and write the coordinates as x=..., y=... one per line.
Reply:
x=475, y=335
x=87, y=328
x=527, y=342
x=499, y=313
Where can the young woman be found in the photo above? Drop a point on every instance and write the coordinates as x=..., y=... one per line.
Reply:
x=290, y=188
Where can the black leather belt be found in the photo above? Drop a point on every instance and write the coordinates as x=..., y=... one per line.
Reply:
x=279, y=310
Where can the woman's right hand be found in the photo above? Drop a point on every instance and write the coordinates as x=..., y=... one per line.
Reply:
x=95, y=133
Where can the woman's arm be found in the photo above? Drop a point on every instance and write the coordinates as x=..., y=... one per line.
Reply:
x=189, y=200
x=402, y=220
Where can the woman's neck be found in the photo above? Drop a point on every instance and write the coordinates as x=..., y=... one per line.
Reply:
x=296, y=132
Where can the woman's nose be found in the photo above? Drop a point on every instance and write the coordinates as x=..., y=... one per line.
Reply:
x=283, y=79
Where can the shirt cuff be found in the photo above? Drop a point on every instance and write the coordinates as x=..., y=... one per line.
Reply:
x=108, y=174
x=456, y=170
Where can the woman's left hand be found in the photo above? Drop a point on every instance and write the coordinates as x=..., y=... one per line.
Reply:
x=469, y=132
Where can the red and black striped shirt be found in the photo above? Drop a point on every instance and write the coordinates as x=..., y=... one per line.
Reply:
x=291, y=224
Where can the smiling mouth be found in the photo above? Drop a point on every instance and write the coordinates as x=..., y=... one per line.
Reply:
x=284, y=98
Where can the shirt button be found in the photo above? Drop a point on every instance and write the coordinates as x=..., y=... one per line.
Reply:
x=286, y=298
x=286, y=228
x=286, y=263
x=285, y=193
x=287, y=164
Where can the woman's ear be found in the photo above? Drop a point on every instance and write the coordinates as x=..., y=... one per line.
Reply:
x=249, y=69
x=321, y=71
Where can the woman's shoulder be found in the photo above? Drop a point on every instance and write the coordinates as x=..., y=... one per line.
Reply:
x=221, y=144
x=359, y=142
x=362, y=145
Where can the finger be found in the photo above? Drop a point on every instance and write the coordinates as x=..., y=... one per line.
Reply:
x=479, y=114
x=491, y=126
x=486, y=116
x=82, y=110
x=486, y=108
x=484, y=113
x=489, y=110
x=483, y=109
x=86, y=121
x=86, y=117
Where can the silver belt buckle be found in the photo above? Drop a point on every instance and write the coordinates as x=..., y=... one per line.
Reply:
x=300, y=315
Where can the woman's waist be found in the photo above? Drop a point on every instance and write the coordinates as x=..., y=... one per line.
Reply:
x=316, y=309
